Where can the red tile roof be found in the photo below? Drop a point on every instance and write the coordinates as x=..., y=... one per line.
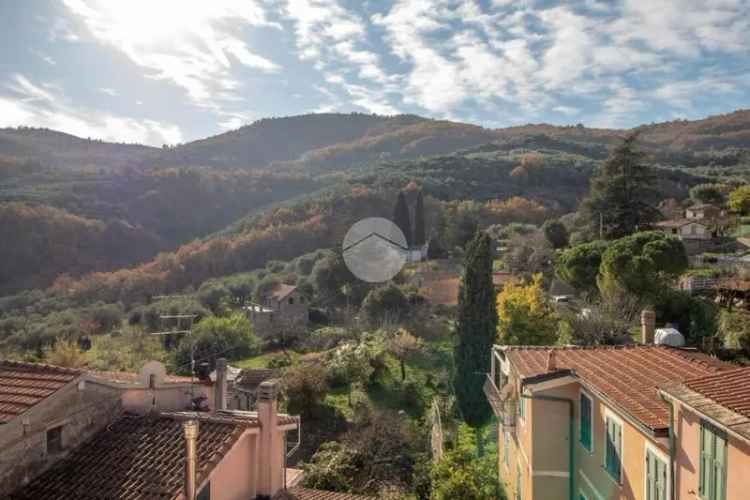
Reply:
x=134, y=458
x=23, y=385
x=299, y=493
x=281, y=291
x=626, y=376
x=730, y=389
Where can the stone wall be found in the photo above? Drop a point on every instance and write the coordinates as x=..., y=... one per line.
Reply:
x=81, y=410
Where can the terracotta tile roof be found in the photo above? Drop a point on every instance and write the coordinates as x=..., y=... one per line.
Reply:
x=282, y=291
x=730, y=389
x=299, y=493
x=134, y=458
x=627, y=376
x=23, y=385
x=724, y=397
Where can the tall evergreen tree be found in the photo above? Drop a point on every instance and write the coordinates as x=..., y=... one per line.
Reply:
x=402, y=219
x=419, y=231
x=620, y=193
x=476, y=330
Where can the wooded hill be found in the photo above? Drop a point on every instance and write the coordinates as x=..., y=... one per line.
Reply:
x=141, y=200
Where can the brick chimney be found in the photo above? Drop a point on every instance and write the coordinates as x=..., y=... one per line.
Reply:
x=191, y=457
x=552, y=360
x=220, y=387
x=648, y=326
x=271, y=472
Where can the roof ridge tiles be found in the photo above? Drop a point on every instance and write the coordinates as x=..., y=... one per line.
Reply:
x=39, y=366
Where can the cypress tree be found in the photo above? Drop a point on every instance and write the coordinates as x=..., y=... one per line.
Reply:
x=419, y=232
x=476, y=329
x=401, y=218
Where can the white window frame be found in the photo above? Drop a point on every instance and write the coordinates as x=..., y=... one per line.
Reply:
x=609, y=414
x=664, y=458
x=591, y=398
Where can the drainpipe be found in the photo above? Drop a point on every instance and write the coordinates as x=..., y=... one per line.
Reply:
x=191, y=444
x=672, y=447
x=571, y=443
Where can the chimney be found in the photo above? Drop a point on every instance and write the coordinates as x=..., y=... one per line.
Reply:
x=191, y=457
x=552, y=360
x=648, y=326
x=273, y=449
x=220, y=387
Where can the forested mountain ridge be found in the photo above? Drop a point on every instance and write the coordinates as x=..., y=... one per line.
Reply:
x=61, y=150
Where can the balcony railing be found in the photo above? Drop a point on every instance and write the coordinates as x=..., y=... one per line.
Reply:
x=503, y=406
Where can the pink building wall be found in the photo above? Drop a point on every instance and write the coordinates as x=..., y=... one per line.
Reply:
x=687, y=433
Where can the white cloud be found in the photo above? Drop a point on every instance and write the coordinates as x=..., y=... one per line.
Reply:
x=26, y=103
x=336, y=40
x=190, y=43
x=109, y=91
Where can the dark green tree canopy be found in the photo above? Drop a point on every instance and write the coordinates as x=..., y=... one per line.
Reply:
x=402, y=218
x=619, y=201
x=476, y=329
x=579, y=266
x=708, y=193
x=644, y=264
x=556, y=233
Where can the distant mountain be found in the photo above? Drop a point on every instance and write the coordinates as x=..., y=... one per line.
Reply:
x=58, y=149
x=328, y=140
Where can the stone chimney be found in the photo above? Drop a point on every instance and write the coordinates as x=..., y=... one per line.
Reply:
x=271, y=472
x=220, y=387
x=648, y=326
x=191, y=457
x=552, y=360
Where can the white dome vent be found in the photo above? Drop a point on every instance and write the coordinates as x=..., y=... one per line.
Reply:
x=669, y=336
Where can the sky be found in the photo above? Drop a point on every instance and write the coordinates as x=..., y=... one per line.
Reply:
x=171, y=71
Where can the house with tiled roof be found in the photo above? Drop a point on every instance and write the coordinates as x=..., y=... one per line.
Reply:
x=218, y=455
x=710, y=428
x=589, y=422
x=45, y=411
x=282, y=309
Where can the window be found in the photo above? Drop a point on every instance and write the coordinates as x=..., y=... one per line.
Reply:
x=585, y=427
x=656, y=477
x=54, y=440
x=506, y=448
x=291, y=301
x=613, y=449
x=522, y=407
x=205, y=493
x=713, y=463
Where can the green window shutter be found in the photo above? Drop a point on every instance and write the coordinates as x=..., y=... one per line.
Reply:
x=661, y=480
x=719, y=470
x=704, y=463
x=585, y=431
x=613, y=452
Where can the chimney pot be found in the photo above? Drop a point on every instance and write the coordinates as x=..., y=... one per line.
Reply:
x=552, y=360
x=191, y=466
x=220, y=388
x=648, y=326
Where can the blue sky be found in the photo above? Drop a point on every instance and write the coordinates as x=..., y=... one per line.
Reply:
x=169, y=71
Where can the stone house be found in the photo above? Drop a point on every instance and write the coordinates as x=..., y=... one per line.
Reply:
x=218, y=455
x=283, y=310
x=589, y=422
x=46, y=411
